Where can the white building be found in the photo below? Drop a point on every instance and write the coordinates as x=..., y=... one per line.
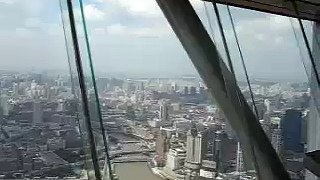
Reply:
x=175, y=158
x=196, y=148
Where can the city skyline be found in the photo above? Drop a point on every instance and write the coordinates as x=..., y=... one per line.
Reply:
x=173, y=124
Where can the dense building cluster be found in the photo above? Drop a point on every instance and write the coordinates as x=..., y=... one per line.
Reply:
x=173, y=124
x=189, y=133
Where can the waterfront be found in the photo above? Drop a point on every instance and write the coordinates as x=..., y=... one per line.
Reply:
x=134, y=171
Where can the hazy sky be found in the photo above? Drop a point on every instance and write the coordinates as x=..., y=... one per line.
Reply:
x=133, y=36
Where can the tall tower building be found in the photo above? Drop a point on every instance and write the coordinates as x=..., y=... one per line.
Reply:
x=141, y=86
x=240, y=164
x=4, y=102
x=60, y=106
x=162, y=147
x=267, y=104
x=164, y=111
x=291, y=131
x=37, y=112
x=260, y=108
x=226, y=151
x=15, y=89
x=174, y=87
x=276, y=140
x=197, y=143
x=193, y=91
x=186, y=90
x=266, y=124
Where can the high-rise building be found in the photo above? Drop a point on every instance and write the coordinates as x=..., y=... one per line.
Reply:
x=61, y=105
x=162, y=147
x=164, y=111
x=193, y=91
x=15, y=89
x=261, y=108
x=4, y=102
x=37, y=112
x=197, y=143
x=186, y=90
x=291, y=131
x=226, y=151
x=129, y=86
x=267, y=105
x=266, y=124
x=175, y=158
x=203, y=93
x=140, y=86
x=276, y=139
x=240, y=163
x=174, y=87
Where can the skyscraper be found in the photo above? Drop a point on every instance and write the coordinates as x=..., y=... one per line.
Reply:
x=60, y=106
x=174, y=87
x=260, y=105
x=196, y=147
x=164, y=114
x=193, y=90
x=162, y=147
x=4, y=102
x=276, y=140
x=291, y=131
x=37, y=112
x=226, y=151
x=15, y=89
x=186, y=90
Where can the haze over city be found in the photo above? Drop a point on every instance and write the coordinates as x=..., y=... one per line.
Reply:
x=134, y=38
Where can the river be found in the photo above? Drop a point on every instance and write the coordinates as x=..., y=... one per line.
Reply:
x=135, y=171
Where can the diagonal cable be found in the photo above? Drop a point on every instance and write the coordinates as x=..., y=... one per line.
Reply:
x=242, y=61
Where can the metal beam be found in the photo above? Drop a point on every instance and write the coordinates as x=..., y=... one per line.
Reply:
x=83, y=89
x=222, y=85
x=308, y=10
x=312, y=162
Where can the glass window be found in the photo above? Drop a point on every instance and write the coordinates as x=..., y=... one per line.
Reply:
x=97, y=89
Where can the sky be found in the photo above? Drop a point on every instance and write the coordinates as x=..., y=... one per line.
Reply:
x=134, y=38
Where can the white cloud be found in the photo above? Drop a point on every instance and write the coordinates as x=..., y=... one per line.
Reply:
x=142, y=7
x=99, y=31
x=93, y=13
x=24, y=33
x=155, y=32
x=147, y=8
x=268, y=30
x=54, y=30
x=34, y=7
x=7, y=1
x=32, y=22
x=116, y=29
x=279, y=40
x=119, y=29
